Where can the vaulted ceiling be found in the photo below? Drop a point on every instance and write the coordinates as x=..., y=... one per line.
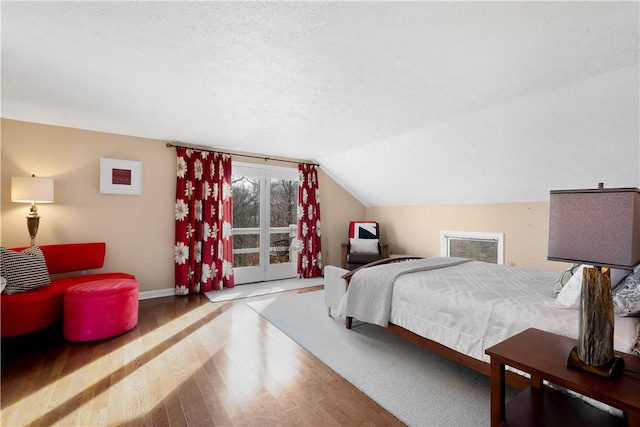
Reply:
x=403, y=103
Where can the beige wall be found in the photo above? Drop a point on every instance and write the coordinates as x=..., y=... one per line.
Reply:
x=138, y=229
x=416, y=230
x=337, y=208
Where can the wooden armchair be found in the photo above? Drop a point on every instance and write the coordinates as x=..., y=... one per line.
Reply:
x=363, y=246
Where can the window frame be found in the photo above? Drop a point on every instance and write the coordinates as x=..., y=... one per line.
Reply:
x=447, y=235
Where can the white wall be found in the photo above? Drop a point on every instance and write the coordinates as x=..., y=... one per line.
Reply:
x=572, y=137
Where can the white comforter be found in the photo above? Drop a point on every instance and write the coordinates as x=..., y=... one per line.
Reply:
x=466, y=306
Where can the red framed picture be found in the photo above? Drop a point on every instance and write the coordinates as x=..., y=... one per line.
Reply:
x=120, y=176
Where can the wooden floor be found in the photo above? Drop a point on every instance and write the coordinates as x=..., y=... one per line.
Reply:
x=189, y=362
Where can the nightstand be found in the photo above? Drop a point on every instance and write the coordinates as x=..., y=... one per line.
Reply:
x=543, y=355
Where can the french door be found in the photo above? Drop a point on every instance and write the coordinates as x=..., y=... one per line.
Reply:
x=264, y=222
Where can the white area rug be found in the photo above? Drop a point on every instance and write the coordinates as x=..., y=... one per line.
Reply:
x=262, y=288
x=415, y=385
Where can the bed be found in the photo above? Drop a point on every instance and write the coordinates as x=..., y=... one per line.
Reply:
x=458, y=307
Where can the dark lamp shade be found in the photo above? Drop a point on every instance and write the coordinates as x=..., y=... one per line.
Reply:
x=599, y=227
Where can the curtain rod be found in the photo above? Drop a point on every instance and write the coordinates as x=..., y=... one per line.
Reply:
x=169, y=145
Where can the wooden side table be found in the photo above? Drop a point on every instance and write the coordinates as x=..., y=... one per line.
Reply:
x=543, y=355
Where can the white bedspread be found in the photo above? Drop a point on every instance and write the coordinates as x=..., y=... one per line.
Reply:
x=475, y=305
x=467, y=306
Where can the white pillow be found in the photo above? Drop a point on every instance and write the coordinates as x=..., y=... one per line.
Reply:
x=569, y=296
x=363, y=245
x=564, y=277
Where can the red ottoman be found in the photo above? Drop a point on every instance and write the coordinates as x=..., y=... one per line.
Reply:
x=100, y=309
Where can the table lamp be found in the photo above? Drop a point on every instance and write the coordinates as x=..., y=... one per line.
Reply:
x=32, y=190
x=598, y=227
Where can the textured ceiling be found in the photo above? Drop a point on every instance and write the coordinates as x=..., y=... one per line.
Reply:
x=323, y=81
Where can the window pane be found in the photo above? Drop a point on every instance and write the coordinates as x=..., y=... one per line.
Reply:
x=246, y=221
x=479, y=250
x=283, y=206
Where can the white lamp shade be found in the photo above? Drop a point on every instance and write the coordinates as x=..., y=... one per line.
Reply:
x=32, y=189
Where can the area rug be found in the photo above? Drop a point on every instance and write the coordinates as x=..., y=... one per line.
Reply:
x=419, y=387
x=262, y=288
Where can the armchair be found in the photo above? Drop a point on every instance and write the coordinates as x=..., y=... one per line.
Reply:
x=363, y=246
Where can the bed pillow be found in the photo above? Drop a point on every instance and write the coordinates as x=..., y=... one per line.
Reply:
x=636, y=348
x=24, y=270
x=363, y=245
x=569, y=296
x=564, y=278
x=626, y=296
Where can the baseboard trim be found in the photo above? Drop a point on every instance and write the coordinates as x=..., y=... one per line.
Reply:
x=156, y=294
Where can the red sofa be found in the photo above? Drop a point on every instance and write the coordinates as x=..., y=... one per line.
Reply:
x=31, y=311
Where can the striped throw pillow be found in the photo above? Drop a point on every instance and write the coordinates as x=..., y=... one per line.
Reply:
x=24, y=270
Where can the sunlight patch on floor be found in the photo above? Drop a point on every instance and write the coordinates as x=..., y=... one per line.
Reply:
x=120, y=373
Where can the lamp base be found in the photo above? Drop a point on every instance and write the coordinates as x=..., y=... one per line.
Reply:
x=607, y=370
x=32, y=224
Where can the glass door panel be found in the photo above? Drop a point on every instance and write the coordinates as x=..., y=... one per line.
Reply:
x=283, y=203
x=264, y=223
x=247, y=201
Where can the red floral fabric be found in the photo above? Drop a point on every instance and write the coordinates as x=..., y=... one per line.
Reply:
x=309, y=235
x=203, y=214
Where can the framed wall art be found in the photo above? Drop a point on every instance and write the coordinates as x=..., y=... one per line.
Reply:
x=120, y=176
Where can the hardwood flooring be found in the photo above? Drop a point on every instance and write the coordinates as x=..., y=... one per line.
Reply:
x=189, y=362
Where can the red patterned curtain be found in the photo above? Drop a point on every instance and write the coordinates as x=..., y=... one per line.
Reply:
x=310, y=253
x=203, y=214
